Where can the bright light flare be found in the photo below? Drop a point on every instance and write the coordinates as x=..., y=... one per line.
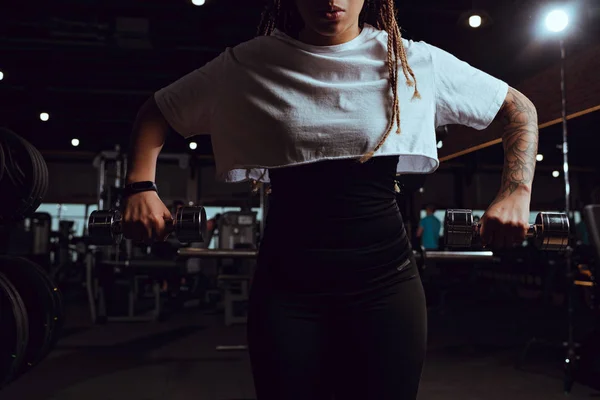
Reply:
x=557, y=21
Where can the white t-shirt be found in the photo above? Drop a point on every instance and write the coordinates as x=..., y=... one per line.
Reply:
x=274, y=101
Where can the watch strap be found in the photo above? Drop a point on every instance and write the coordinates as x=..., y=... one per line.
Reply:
x=139, y=187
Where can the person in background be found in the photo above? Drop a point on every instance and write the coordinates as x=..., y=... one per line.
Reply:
x=429, y=229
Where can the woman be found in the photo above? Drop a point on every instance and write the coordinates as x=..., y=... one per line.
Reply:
x=324, y=105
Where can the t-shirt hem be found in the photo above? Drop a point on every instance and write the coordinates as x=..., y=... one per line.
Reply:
x=245, y=173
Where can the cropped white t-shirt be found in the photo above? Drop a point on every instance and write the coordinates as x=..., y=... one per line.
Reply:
x=274, y=101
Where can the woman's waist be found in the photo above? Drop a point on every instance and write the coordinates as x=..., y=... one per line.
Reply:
x=337, y=230
x=369, y=247
x=333, y=209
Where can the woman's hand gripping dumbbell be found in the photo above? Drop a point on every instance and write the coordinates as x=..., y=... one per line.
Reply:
x=550, y=231
x=145, y=219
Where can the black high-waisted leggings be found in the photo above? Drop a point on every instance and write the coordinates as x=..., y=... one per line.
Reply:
x=337, y=309
x=336, y=332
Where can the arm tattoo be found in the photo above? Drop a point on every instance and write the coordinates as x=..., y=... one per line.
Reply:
x=520, y=142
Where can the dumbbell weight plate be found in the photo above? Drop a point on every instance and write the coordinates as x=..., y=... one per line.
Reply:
x=190, y=224
x=554, y=235
x=43, y=316
x=104, y=227
x=13, y=331
x=458, y=228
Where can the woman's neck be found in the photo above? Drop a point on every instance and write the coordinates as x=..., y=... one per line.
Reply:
x=314, y=38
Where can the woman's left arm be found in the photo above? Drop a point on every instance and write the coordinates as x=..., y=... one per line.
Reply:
x=520, y=141
x=507, y=219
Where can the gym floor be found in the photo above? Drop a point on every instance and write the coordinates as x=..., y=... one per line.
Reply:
x=472, y=355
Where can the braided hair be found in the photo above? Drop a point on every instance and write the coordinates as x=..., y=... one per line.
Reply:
x=280, y=14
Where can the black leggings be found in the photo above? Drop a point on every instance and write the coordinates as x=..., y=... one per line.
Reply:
x=336, y=333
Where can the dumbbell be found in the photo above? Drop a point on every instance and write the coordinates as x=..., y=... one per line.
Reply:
x=550, y=231
x=189, y=224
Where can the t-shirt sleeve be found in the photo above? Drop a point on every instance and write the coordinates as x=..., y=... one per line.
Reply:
x=187, y=103
x=464, y=94
x=438, y=225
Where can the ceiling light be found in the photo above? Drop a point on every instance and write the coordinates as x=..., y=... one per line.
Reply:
x=475, y=21
x=475, y=18
x=557, y=21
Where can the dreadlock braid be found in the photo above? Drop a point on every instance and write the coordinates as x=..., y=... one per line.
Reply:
x=382, y=15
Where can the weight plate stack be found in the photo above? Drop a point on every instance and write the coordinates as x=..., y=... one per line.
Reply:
x=43, y=305
x=23, y=177
x=41, y=172
x=13, y=331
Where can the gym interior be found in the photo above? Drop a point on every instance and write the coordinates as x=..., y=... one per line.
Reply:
x=86, y=313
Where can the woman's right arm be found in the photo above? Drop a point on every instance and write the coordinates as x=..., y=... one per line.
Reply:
x=147, y=140
x=144, y=213
x=185, y=106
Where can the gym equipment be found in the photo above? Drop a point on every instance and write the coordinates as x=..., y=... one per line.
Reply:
x=112, y=170
x=217, y=253
x=14, y=332
x=550, y=231
x=237, y=230
x=43, y=302
x=131, y=275
x=189, y=224
x=41, y=230
x=23, y=177
x=43, y=305
x=472, y=256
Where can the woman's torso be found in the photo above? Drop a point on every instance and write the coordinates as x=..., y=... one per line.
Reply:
x=335, y=215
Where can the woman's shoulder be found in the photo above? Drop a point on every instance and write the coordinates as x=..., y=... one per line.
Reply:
x=255, y=45
x=417, y=51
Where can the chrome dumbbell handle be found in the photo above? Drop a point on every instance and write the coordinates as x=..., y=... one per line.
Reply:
x=532, y=231
x=189, y=223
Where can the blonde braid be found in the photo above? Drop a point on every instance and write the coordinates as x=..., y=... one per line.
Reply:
x=396, y=55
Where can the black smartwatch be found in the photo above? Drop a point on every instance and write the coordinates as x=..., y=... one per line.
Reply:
x=139, y=187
